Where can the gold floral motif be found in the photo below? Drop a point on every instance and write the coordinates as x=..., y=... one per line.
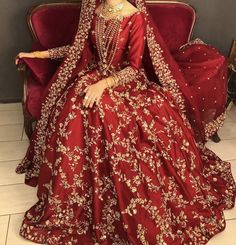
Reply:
x=215, y=125
x=58, y=52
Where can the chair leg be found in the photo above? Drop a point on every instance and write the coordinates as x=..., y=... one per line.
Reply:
x=215, y=138
x=28, y=125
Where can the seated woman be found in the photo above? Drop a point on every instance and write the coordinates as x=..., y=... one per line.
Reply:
x=115, y=158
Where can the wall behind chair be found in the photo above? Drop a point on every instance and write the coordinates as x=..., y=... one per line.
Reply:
x=215, y=25
x=216, y=22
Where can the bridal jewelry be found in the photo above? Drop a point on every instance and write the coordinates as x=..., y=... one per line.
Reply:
x=107, y=8
x=107, y=34
x=115, y=79
x=108, y=83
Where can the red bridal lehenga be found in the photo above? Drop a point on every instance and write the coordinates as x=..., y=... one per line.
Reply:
x=130, y=170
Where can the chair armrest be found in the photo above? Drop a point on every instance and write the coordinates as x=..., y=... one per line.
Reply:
x=41, y=69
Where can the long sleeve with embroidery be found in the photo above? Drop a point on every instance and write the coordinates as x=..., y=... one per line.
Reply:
x=136, y=45
x=58, y=52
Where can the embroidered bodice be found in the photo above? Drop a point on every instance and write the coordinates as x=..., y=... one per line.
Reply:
x=130, y=45
x=127, y=59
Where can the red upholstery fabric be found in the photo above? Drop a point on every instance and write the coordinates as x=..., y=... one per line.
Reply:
x=175, y=22
x=54, y=25
x=34, y=92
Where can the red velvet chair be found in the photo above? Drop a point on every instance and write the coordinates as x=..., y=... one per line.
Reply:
x=54, y=24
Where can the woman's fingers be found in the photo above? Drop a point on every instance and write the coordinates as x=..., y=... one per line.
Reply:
x=98, y=99
x=18, y=57
x=86, y=89
x=87, y=100
x=16, y=61
x=92, y=102
x=92, y=96
x=85, y=94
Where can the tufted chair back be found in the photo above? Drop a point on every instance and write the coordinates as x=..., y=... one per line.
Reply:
x=54, y=24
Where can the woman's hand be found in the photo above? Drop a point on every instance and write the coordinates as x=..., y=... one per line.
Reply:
x=22, y=55
x=93, y=93
x=35, y=54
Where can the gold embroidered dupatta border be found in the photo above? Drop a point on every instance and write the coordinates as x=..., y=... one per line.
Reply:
x=160, y=66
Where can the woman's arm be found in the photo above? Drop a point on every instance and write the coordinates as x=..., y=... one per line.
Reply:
x=58, y=52
x=136, y=49
x=53, y=54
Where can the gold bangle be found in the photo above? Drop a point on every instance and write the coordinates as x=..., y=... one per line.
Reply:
x=38, y=54
x=108, y=84
x=115, y=79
